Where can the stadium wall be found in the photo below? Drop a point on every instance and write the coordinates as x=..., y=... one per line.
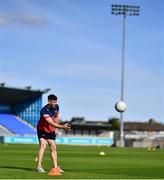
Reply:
x=59, y=140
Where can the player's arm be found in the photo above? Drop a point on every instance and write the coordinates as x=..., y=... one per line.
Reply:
x=52, y=123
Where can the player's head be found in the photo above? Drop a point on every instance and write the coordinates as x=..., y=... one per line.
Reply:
x=52, y=100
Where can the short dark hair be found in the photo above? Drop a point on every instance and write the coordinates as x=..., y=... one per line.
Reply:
x=52, y=97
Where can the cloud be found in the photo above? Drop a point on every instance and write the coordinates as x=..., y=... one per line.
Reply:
x=12, y=18
x=4, y=19
x=31, y=20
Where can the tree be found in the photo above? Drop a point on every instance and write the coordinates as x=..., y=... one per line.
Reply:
x=115, y=122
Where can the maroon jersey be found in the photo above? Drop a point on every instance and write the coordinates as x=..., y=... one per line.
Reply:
x=45, y=112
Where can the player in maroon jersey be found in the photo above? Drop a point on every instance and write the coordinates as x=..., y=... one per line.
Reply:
x=46, y=131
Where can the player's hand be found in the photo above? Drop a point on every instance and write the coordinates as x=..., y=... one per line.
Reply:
x=67, y=126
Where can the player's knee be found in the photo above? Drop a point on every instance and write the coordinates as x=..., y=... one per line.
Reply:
x=52, y=148
x=43, y=146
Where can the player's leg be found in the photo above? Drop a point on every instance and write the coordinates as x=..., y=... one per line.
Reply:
x=55, y=171
x=53, y=152
x=42, y=143
x=41, y=151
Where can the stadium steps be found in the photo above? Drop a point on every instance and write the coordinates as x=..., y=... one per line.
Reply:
x=15, y=125
x=5, y=132
x=26, y=123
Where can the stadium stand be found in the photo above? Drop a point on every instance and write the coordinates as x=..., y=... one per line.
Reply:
x=5, y=132
x=24, y=103
x=15, y=125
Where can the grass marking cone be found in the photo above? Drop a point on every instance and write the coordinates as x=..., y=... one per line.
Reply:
x=54, y=172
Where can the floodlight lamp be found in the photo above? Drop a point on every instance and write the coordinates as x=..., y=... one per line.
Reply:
x=114, y=9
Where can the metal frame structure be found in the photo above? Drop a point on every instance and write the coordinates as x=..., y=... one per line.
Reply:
x=124, y=10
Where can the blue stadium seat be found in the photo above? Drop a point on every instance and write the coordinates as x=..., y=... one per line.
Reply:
x=15, y=125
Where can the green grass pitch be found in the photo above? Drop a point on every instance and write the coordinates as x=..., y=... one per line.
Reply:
x=83, y=162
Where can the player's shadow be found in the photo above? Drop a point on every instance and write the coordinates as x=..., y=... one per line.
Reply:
x=22, y=168
x=19, y=168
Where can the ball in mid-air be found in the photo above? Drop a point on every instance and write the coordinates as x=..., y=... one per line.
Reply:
x=120, y=106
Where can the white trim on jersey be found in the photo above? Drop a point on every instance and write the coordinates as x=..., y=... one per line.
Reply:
x=46, y=115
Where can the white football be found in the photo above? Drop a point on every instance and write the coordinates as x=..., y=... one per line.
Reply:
x=120, y=106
